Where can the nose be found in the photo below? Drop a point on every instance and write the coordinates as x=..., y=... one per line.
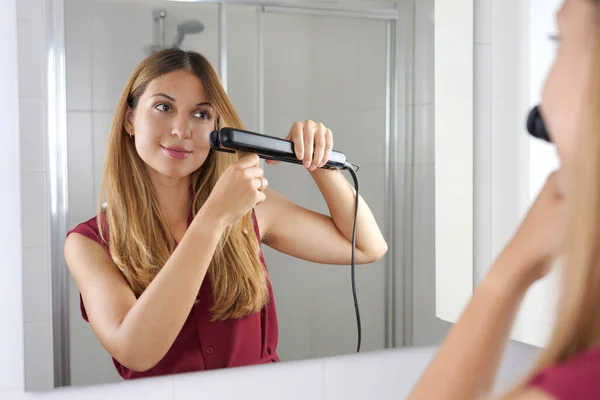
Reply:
x=182, y=127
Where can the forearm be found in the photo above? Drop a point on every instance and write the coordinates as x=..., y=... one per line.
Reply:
x=340, y=197
x=152, y=324
x=467, y=362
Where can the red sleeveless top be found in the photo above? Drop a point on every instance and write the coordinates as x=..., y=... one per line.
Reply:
x=576, y=379
x=202, y=344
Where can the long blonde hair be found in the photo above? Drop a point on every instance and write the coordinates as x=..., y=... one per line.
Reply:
x=577, y=326
x=139, y=240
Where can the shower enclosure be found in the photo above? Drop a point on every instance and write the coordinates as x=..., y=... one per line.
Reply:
x=345, y=64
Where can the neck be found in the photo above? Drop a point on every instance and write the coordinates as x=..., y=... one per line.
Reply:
x=173, y=196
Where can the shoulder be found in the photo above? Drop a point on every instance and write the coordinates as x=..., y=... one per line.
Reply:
x=90, y=230
x=576, y=378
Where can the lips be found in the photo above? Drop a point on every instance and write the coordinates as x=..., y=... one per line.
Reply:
x=177, y=153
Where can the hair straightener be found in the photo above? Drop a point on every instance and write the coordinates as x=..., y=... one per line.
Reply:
x=232, y=140
x=536, y=125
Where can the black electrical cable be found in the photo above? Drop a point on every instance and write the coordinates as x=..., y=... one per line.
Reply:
x=350, y=167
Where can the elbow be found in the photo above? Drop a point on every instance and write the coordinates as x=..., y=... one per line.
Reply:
x=375, y=254
x=137, y=360
x=137, y=363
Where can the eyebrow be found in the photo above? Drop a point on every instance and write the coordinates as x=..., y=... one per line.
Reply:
x=204, y=103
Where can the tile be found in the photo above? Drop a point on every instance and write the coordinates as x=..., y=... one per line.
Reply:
x=30, y=36
x=424, y=195
x=35, y=207
x=375, y=375
x=483, y=21
x=242, y=63
x=8, y=11
x=360, y=134
x=424, y=135
x=286, y=65
x=36, y=285
x=11, y=318
x=424, y=53
x=39, y=364
x=33, y=134
x=78, y=45
x=290, y=380
x=337, y=79
x=120, y=33
x=427, y=328
x=30, y=10
x=371, y=82
x=80, y=150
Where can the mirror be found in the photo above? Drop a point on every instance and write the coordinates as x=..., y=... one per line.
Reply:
x=364, y=69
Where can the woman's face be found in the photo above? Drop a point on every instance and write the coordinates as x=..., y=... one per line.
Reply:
x=171, y=124
x=565, y=90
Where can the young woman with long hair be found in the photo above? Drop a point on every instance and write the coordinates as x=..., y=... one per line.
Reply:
x=170, y=271
x=562, y=224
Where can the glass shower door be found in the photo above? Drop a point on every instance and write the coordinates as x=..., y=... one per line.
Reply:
x=333, y=70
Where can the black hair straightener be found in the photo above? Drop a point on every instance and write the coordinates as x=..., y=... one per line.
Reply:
x=268, y=147
x=536, y=125
x=232, y=140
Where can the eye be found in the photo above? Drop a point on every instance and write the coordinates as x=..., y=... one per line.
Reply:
x=163, y=107
x=202, y=115
x=554, y=37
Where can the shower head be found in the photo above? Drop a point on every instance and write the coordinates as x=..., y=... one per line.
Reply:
x=187, y=27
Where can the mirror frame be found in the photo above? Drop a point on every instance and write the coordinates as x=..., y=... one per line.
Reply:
x=454, y=203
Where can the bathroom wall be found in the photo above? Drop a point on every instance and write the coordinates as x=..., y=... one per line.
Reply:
x=25, y=292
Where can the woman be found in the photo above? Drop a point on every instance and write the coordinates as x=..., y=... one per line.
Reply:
x=569, y=368
x=171, y=273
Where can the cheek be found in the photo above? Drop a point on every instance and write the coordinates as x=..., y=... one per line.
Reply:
x=562, y=101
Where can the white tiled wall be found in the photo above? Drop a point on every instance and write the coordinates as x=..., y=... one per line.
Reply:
x=391, y=373
x=34, y=196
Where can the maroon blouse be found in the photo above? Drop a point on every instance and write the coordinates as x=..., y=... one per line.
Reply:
x=202, y=344
x=576, y=379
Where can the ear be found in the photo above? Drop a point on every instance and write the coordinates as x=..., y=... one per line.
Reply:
x=129, y=121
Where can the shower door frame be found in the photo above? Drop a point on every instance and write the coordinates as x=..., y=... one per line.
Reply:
x=58, y=171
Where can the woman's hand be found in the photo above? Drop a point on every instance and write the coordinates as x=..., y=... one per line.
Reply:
x=313, y=143
x=238, y=190
x=538, y=240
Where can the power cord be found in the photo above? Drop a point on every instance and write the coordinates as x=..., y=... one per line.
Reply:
x=353, y=169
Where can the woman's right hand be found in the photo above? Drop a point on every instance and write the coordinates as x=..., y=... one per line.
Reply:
x=539, y=238
x=238, y=190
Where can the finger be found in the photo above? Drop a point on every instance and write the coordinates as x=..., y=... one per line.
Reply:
x=265, y=183
x=328, y=147
x=260, y=197
x=254, y=172
x=260, y=183
x=250, y=160
x=319, y=143
x=272, y=162
x=296, y=136
x=309, y=138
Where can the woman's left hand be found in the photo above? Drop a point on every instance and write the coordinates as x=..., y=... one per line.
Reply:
x=313, y=143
